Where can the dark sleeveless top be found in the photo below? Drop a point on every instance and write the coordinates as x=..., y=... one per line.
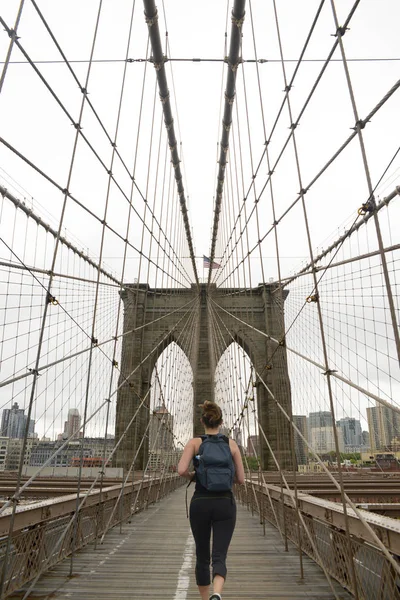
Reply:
x=202, y=492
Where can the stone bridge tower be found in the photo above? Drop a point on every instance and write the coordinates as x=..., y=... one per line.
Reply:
x=153, y=318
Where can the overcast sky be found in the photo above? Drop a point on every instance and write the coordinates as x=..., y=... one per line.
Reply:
x=33, y=122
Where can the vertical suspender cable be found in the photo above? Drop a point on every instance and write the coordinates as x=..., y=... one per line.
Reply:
x=159, y=60
x=233, y=61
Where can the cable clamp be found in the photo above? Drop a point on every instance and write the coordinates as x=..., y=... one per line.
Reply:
x=236, y=21
x=233, y=66
x=175, y=164
x=77, y=126
x=51, y=299
x=293, y=126
x=360, y=124
x=282, y=342
x=230, y=99
x=329, y=372
x=367, y=207
x=268, y=368
x=270, y=173
x=94, y=341
x=164, y=98
x=150, y=21
x=287, y=88
x=159, y=66
x=303, y=192
x=340, y=31
x=115, y=364
x=313, y=298
x=13, y=34
x=34, y=372
x=131, y=385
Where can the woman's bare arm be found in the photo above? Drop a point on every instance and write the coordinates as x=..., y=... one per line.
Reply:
x=237, y=460
x=188, y=453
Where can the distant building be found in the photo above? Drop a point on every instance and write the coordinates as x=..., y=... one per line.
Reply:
x=253, y=445
x=72, y=424
x=91, y=451
x=366, y=439
x=320, y=419
x=300, y=447
x=14, y=451
x=161, y=436
x=323, y=439
x=384, y=426
x=3, y=452
x=352, y=433
x=13, y=423
x=161, y=460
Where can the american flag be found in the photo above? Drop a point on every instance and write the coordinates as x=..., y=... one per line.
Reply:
x=207, y=263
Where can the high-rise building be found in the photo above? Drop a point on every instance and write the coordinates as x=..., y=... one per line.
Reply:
x=13, y=423
x=352, y=432
x=365, y=439
x=323, y=439
x=384, y=426
x=161, y=429
x=72, y=424
x=300, y=447
x=322, y=418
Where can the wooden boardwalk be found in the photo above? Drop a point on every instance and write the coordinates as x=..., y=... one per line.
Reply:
x=154, y=558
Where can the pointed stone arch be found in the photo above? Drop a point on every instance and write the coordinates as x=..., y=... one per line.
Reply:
x=155, y=317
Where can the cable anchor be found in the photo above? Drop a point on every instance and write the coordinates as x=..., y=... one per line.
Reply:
x=238, y=22
x=365, y=208
x=94, y=341
x=230, y=99
x=150, y=21
x=51, y=299
x=312, y=298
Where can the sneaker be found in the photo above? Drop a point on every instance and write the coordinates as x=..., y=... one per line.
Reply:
x=216, y=597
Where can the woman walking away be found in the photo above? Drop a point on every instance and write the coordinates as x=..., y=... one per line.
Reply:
x=218, y=464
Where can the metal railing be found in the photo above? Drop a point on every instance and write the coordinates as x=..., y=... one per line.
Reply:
x=326, y=541
x=39, y=540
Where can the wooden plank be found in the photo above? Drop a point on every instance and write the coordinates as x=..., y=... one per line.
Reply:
x=155, y=552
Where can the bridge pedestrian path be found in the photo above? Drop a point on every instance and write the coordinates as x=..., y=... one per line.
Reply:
x=154, y=558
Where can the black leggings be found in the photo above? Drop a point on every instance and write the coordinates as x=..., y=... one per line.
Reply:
x=218, y=515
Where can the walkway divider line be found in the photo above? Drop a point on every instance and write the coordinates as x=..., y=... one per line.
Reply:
x=184, y=576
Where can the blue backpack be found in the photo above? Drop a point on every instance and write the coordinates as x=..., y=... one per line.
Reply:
x=214, y=463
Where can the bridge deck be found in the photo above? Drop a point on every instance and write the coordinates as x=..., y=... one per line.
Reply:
x=154, y=558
